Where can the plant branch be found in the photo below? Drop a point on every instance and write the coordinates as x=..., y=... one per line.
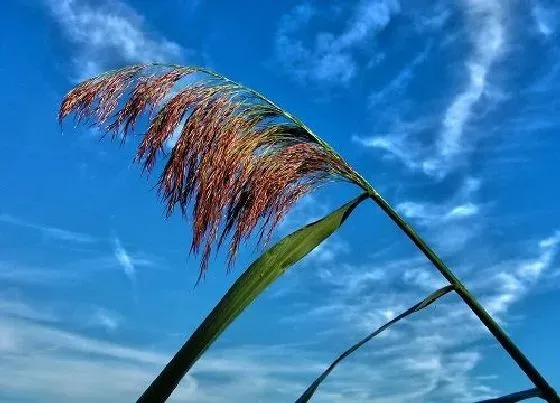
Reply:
x=548, y=393
x=413, y=309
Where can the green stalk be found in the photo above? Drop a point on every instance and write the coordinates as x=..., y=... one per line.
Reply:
x=548, y=393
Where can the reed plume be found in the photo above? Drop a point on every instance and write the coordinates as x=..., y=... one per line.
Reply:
x=239, y=161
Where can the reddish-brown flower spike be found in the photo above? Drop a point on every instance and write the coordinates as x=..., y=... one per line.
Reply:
x=98, y=97
x=239, y=161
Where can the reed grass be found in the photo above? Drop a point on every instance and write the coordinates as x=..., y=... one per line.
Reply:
x=239, y=164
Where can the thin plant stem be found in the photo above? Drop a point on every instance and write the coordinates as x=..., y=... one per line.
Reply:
x=515, y=397
x=308, y=393
x=548, y=393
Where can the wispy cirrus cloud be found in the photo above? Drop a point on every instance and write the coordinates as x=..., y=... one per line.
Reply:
x=395, y=87
x=440, y=348
x=329, y=250
x=75, y=270
x=310, y=208
x=104, y=318
x=400, y=143
x=108, y=33
x=376, y=294
x=124, y=259
x=405, y=140
x=251, y=373
x=106, y=369
x=46, y=353
x=451, y=223
x=514, y=279
x=546, y=18
x=487, y=31
x=18, y=273
x=331, y=57
x=15, y=307
x=49, y=232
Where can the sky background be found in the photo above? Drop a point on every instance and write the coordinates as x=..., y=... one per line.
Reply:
x=448, y=107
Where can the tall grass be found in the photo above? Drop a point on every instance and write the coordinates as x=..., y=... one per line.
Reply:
x=240, y=162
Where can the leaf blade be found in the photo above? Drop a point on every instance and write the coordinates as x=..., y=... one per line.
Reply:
x=430, y=299
x=260, y=274
x=516, y=397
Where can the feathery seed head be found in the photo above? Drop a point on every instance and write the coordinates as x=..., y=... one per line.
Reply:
x=240, y=161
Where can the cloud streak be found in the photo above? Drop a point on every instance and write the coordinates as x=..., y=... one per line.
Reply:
x=124, y=259
x=332, y=56
x=397, y=84
x=451, y=224
x=405, y=140
x=544, y=19
x=487, y=33
x=515, y=279
x=53, y=233
x=109, y=33
x=439, y=349
x=101, y=317
x=104, y=370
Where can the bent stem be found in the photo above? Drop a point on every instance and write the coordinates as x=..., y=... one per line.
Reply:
x=515, y=353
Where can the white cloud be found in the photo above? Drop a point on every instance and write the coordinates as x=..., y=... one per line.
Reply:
x=544, y=19
x=400, y=142
x=369, y=17
x=435, y=364
x=49, y=232
x=433, y=17
x=487, y=31
x=401, y=80
x=73, y=271
x=105, y=33
x=429, y=214
x=332, y=57
x=427, y=350
x=101, y=317
x=124, y=259
x=328, y=251
x=514, y=279
x=463, y=210
x=20, y=274
x=356, y=293
x=437, y=350
x=100, y=370
x=16, y=308
x=107, y=371
x=308, y=209
x=452, y=223
x=424, y=277
x=349, y=279
x=393, y=145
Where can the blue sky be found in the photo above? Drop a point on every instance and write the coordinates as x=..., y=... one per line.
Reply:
x=448, y=108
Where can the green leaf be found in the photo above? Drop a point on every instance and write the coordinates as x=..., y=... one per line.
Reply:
x=415, y=308
x=260, y=274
